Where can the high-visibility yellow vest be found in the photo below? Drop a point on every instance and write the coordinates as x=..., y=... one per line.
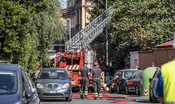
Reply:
x=168, y=75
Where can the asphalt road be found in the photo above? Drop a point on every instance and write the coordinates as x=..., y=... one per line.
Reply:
x=77, y=100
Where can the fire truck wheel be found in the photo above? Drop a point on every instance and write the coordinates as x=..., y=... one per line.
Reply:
x=118, y=89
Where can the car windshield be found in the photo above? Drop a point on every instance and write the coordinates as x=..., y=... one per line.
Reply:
x=128, y=74
x=8, y=82
x=53, y=74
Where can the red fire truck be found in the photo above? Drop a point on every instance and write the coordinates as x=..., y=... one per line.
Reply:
x=78, y=49
x=72, y=62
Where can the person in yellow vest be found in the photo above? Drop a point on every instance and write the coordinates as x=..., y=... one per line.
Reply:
x=166, y=84
x=165, y=90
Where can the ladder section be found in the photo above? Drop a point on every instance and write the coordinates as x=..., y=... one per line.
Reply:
x=92, y=35
x=74, y=41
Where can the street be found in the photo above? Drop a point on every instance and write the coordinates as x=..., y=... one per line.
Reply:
x=77, y=100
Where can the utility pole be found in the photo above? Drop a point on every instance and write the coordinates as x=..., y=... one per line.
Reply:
x=106, y=38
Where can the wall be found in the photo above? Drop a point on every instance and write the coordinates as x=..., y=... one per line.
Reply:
x=134, y=60
x=156, y=58
x=145, y=60
x=162, y=56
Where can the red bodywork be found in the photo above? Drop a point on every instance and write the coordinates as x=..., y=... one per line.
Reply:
x=132, y=85
x=72, y=63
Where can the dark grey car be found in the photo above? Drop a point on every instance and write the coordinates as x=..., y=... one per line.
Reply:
x=16, y=86
x=54, y=83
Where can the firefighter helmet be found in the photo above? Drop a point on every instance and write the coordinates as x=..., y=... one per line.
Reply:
x=85, y=62
x=95, y=63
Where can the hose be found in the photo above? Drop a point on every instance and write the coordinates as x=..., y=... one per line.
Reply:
x=121, y=98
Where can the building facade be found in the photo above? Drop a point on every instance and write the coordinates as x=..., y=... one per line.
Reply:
x=77, y=15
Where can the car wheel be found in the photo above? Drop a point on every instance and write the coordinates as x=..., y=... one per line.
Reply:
x=70, y=97
x=118, y=89
x=110, y=89
x=150, y=95
x=137, y=90
x=154, y=99
x=126, y=90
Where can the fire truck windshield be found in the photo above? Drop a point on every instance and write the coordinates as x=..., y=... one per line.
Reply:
x=72, y=62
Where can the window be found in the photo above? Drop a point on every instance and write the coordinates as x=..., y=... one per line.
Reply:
x=24, y=80
x=53, y=74
x=8, y=82
x=128, y=74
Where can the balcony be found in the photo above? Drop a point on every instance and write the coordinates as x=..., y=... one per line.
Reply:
x=70, y=11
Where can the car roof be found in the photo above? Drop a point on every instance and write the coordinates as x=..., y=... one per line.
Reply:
x=127, y=70
x=53, y=68
x=5, y=66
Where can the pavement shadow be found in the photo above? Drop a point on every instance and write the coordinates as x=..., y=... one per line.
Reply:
x=57, y=100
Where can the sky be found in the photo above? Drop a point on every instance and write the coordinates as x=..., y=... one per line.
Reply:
x=63, y=3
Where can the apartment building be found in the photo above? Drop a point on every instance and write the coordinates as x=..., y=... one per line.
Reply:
x=76, y=15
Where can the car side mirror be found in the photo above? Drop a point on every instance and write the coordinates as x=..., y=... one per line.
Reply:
x=28, y=94
x=150, y=80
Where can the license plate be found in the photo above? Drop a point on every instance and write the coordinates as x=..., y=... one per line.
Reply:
x=53, y=92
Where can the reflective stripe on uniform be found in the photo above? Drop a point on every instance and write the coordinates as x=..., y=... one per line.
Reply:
x=100, y=94
x=86, y=93
x=168, y=75
x=81, y=92
x=95, y=94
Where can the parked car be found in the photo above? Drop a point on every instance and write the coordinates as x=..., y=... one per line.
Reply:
x=152, y=86
x=16, y=86
x=122, y=77
x=112, y=84
x=133, y=83
x=54, y=83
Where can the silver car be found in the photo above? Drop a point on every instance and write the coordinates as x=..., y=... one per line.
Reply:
x=54, y=83
x=152, y=86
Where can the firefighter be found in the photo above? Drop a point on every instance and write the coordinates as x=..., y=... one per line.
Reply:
x=166, y=84
x=84, y=73
x=96, y=74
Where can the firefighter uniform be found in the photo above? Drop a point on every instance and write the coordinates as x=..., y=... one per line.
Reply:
x=84, y=82
x=96, y=73
x=166, y=83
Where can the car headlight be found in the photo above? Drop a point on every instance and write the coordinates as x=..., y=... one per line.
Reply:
x=39, y=85
x=65, y=86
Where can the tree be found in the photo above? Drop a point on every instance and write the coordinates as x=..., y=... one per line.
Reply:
x=139, y=25
x=15, y=38
x=48, y=29
x=20, y=39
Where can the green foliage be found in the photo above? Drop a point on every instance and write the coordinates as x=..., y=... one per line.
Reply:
x=143, y=24
x=138, y=25
x=28, y=28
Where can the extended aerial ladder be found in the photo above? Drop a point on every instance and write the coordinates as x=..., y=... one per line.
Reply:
x=77, y=48
x=89, y=33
